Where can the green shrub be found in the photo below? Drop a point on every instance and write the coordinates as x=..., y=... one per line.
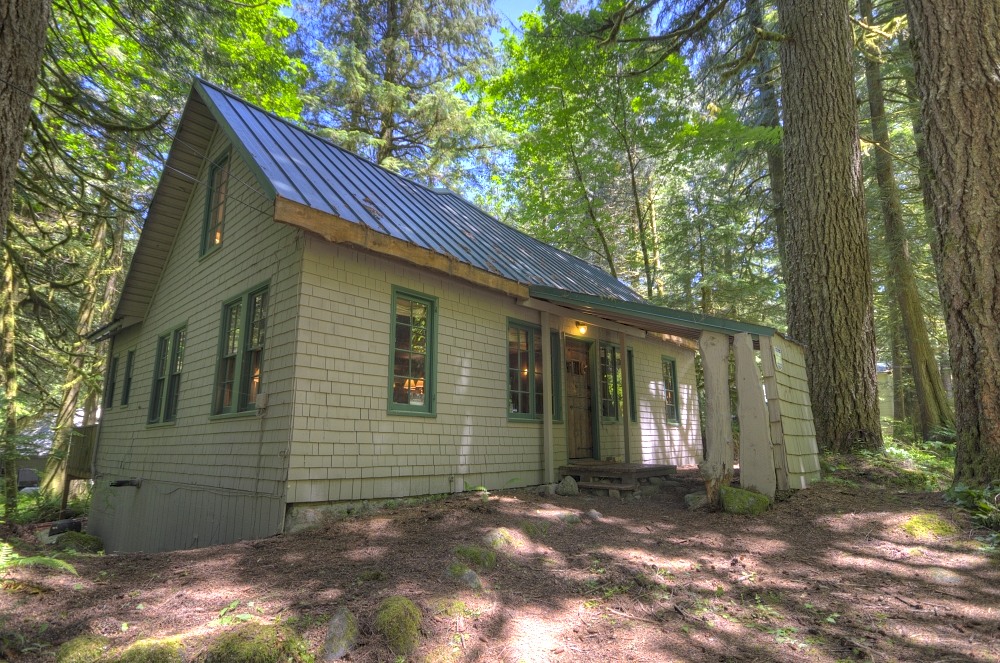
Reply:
x=398, y=620
x=80, y=542
x=82, y=649
x=983, y=505
x=258, y=643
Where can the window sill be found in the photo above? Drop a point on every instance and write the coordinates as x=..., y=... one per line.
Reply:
x=161, y=424
x=411, y=413
x=210, y=252
x=245, y=414
x=524, y=419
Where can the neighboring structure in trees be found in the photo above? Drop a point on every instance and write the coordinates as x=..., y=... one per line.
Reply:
x=300, y=327
x=957, y=57
x=828, y=275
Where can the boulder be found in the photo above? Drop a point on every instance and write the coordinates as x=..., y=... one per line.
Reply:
x=744, y=502
x=567, y=487
x=341, y=635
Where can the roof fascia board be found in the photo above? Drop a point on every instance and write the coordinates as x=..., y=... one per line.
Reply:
x=572, y=314
x=340, y=231
x=651, y=312
x=234, y=139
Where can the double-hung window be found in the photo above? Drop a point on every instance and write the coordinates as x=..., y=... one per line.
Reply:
x=215, y=204
x=609, y=359
x=167, y=367
x=240, y=371
x=109, y=385
x=127, y=381
x=525, y=397
x=411, y=371
x=670, y=389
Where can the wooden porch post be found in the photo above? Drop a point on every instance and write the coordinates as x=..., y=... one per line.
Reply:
x=717, y=468
x=547, y=455
x=756, y=457
x=626, y=400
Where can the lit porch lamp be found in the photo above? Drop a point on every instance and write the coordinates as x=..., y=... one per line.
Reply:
x=581, y=327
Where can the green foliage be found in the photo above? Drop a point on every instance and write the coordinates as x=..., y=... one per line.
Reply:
x=476, y=556
x=10, y=559
x=82, y=649
x=398, y=620
x=983, y=505
x=258, y=643
x=914, y=465
x=79, y=542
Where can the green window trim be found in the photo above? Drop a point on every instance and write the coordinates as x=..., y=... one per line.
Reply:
x=672, y=405
x=525, y=383
x=239, y=374
x=109, y=383
x=610, y=381
x=412, y=353
x=633, y=406
x=127, y=379
x=167, y=368
x=216, y=196
x=557, y=364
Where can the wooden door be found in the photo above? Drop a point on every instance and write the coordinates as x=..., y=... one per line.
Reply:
x=580, y=434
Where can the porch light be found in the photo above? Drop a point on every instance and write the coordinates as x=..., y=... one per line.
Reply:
x=581, y=327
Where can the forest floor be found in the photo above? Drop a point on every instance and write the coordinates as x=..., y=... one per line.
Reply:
x=850, y=569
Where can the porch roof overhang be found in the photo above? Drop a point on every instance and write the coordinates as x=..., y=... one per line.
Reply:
x=648, y=317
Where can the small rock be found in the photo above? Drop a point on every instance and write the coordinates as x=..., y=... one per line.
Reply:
x=341, y=635
x=696, y=501
x=471, y=579
x=594, y=514
x=656, y=481
x=567, y=487
x=569, y=518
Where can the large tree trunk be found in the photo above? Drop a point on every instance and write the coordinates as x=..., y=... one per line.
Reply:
x=934, y=411
x=8, y=366
x=828, y=275
x=957, y=56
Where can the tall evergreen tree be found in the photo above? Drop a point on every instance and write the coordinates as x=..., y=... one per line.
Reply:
x=829, y=275
x=385, y=74
x=957, y=57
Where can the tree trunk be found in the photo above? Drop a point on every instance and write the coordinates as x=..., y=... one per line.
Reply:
x=957, y=56
x=934, y=411
x=828, y=275
x=899, y=412
x=8, y=365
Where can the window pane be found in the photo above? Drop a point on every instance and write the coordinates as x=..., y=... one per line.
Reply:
x=410, y=354
x=253, y=350
x=127, y=383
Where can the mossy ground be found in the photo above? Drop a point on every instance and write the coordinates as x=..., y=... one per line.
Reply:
x=476, y=556
x=82, y=649
x=928, y=526
x=80, y=542
x=398, y=620
x=258, y=643
x=153, y=651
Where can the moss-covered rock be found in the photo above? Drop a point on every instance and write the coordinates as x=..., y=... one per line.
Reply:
x=398, y=620
x=744, y=502
x=341, y=635
x=476, y=556
x=80, y=542
x=928, y=526
x=153, y=651
x=499, y=538
x=82, y=649
x=258, y=643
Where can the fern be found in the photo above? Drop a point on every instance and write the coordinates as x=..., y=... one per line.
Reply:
x=9, y=559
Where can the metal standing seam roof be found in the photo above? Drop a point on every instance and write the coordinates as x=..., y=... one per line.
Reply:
x=304, y=168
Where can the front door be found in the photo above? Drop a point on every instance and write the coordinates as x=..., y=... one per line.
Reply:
x=580, y=431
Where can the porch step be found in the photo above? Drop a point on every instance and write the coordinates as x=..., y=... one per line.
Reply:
x=606, y=486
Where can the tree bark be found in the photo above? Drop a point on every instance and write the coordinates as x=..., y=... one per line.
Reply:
x=8, y=365
x=829, y=268
x=934, y=411
x=957, y=59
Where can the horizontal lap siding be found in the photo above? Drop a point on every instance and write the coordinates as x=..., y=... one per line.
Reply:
x=205, y=480
x=799, y=433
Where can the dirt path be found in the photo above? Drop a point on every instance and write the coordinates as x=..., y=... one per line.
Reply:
x=828, y=574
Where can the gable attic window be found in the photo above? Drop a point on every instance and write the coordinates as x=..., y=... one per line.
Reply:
x=240, y=371
x=524, y=371
x=167, y=367
x=215, y=204
x=411, y=373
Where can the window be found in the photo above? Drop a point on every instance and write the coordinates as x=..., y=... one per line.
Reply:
x=167, y=368
x=633, y=407
x=240, y=370
x=215, y=205
x=670, y=389
x=524, y=371
x=109, y=385
x=411, y=376
x=127, y=382
x=611, y=381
